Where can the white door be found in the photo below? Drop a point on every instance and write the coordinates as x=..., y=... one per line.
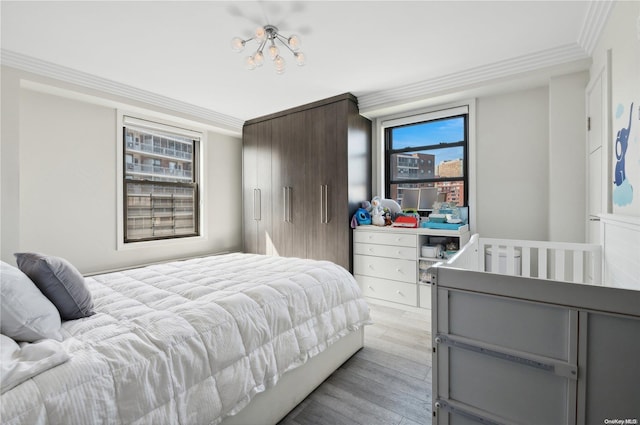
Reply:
x=597, y=156
x=597, y=151
x=594, y=195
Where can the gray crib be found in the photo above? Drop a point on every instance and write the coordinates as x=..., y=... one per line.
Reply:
x=540, y=340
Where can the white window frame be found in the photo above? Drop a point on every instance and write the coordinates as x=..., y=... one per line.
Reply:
x=152, y=122
x=421, y=115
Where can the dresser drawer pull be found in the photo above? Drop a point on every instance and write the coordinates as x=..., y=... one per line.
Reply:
x=399, y=270
x=398, y=292
x=371, y=266
x=370, y=249
x=370, y=287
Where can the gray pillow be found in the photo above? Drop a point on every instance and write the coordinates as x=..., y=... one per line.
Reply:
x=25, y=314
x=59, y=281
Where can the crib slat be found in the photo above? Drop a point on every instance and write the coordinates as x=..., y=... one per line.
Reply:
x=542, y=263
x=526, y=261
x=597, y=267
x=578, y=266
x=482, y=256
x=510, y=260
x=550, y=258
x=495, y=257
x=559, y=269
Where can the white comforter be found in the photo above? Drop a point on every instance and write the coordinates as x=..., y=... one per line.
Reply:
x=189, y=342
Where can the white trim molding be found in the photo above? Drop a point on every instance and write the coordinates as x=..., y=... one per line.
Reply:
x=473, y=76
x=467, y=106
x=592, y=25
x=594, y=21
x=125, y=118
x=597, y=15
x=69, y=75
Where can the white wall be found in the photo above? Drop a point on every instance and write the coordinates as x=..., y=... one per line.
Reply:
x=59, y=182
x=619, y=231
x=529, y=158
x=512, y=168
x=621, y=35
x=567, y=153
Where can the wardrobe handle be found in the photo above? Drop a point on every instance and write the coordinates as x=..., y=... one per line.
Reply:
x=285, y=210
x=326, y=204
x=257, y=206
x=322, y=209
x=289, y=212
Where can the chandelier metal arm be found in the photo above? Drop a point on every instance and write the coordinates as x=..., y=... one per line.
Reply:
x=261, y=46
x=285, y=42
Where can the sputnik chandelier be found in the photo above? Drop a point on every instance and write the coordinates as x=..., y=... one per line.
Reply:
x=268, y=38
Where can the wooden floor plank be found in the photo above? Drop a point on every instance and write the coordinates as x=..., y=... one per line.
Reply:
x=407, y=421
x=386, y=396
x=395, y=348
x=388, y=382
x=316, y=413
x=385, y=376
x=351, y=405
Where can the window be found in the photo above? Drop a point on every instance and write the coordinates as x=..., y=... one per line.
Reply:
x=428, y=151
x=160, y=181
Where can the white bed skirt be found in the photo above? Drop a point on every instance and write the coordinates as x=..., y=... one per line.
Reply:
x=274, y=404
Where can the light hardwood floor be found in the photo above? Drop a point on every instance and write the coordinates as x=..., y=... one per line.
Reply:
x=388, y=382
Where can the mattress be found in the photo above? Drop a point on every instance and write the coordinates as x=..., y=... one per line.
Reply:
x=189, y=342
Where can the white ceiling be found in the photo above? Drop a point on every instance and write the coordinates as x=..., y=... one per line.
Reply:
x=377, y=50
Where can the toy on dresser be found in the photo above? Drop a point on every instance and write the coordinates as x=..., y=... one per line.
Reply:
x=377, y=212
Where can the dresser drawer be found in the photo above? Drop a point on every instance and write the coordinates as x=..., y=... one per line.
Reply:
x=406, y=253
x=385, y=268
x=388, y=290
x=384, y=238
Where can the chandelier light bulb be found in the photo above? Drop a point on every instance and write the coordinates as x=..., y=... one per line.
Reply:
x=279, y=64
x=260, y=34
x=273, y=51
x=300, y=58
x=258, y=58
x=294, y=42
x=250, y=63
x=237, y=44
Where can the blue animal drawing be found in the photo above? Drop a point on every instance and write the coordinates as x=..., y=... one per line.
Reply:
x=622, y=141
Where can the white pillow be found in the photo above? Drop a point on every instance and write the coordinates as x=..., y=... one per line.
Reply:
x=21, y=362
x=25, y=313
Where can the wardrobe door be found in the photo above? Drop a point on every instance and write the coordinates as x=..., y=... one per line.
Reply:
x=288, y=196
x=326, y=182
x=249, y=189
x=257, y=187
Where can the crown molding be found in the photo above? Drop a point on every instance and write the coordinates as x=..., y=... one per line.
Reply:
x=594, y=21
x=83, y=79
x=472, y=77
x=592, y=26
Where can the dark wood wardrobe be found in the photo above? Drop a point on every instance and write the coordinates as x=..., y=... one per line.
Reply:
x=305, y=172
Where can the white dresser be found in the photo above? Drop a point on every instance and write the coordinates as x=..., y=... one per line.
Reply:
x=388, y=265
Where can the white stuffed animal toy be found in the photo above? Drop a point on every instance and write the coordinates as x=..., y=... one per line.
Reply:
x=377, y=212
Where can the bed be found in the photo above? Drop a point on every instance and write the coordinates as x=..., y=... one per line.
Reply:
x=234, y=338
x=518, y=325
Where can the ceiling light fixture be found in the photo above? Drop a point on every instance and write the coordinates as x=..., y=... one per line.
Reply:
x=268, y=39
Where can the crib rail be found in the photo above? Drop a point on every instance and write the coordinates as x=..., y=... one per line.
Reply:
x=562, y=261
x=467, y=257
